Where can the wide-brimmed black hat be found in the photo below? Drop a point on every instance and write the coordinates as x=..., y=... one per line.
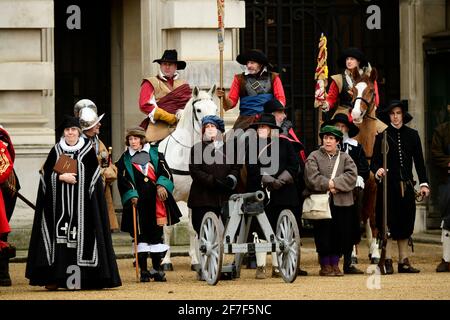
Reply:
x=354, y=53
x=383, y=113
x=253, y=55
x=172, y=56
x=353, y=130
x=273, y=105
x=267, y=119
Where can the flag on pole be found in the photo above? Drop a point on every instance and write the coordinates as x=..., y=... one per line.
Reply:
x=221, y=25
x=321, y=75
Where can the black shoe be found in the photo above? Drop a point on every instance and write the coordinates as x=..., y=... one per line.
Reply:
x=158, y=276
x=351, y=269
x=195, y=267
x=145, y=276
x=406, y=267
x=388, y=266
x=302, y=273
x=443, y=266
x=167, y=267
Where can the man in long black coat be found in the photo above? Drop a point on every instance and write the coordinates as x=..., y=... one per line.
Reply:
x=405, y=148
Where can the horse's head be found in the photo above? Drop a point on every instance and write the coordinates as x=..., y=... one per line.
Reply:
x=201, y=104
x=363, y=94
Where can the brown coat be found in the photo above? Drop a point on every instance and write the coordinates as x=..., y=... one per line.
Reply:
x=440, y=149
x=318, y=170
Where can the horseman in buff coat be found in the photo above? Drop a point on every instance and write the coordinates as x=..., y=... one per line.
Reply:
x=162, y=96
x=252, y=88
x=8, y=196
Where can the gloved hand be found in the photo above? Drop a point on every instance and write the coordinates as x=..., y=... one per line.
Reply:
x=285, y=126
x=325, y=106
x=267, y=180
x=276, y=184
x=286, y=177
x=226, y=184
x=360, y=182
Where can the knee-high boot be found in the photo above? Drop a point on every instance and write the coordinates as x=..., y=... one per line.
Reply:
x=142, y=260
x=157, y=273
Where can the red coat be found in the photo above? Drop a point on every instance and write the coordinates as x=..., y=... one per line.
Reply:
x=6, y=167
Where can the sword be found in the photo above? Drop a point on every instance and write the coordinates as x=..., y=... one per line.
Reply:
x=21, y=197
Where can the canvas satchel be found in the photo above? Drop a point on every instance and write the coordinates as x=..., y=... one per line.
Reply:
x=317, y=206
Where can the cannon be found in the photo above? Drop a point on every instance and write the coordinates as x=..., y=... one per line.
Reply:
x=217, y=239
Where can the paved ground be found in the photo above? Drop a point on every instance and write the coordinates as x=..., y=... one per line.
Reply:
x=182, y=283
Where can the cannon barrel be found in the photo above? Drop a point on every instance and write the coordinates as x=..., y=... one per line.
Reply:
x=250, y=196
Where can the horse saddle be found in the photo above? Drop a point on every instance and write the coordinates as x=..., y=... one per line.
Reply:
x=158, y=131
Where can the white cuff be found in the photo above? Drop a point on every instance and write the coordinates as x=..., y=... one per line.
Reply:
x=151, y=115
x=360, y=182
x=424, y=185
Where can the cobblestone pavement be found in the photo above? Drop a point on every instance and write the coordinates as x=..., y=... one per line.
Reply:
x=182, y=283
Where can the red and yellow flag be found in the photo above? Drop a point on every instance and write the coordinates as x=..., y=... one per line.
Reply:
x=321, y=75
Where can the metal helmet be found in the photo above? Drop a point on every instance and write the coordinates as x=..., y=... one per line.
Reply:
x=83, y=103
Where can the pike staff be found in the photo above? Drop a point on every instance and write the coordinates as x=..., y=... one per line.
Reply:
x=220, y=38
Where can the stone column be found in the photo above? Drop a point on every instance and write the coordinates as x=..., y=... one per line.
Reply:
x=417, y=18
x=27, y=89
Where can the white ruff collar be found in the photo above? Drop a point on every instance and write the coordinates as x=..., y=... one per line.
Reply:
x=247, y=73
x=176, y=75
x=351, y=141
x=145, y=148
x=76, y=147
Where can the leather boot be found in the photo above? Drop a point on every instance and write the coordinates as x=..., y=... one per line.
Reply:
x=443, y=266
x=5, y=279
x=406, y=267
x=142, y=261
x=326, y=271
x=260, y=273
x=388, y=266
x=157, y=274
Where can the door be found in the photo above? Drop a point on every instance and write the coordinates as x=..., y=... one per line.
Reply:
x=82, y=60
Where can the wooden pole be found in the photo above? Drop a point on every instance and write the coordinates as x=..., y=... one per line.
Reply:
x=135, y=243
x=221, y=83
x=220, y=39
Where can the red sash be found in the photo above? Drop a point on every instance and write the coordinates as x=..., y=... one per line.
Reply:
x=176, y=99
x=161, y=215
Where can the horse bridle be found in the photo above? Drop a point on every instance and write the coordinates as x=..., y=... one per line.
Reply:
x=369, y=105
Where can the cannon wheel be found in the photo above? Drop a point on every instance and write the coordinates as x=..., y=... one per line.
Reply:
x=211, y=248
x=288, y=238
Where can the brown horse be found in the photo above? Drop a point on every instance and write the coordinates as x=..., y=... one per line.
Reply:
x=363, y=114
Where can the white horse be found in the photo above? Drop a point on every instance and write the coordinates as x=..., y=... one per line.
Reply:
x=176, y=149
